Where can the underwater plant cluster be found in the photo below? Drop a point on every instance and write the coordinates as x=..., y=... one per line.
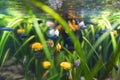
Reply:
x=68, y=48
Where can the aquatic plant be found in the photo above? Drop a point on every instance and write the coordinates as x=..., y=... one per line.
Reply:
x=6, y=34
x=46, y=53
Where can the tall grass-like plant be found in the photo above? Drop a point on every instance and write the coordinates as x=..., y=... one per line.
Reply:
x=78, y=48
x=5, y=36
x=91, y=58
x=106, y=41
x=77, y=45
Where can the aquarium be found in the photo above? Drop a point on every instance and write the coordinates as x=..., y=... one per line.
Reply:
x=59, y=39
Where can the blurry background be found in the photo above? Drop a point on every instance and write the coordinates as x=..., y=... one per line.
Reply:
x=86, y=7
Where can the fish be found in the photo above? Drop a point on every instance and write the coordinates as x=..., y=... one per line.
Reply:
x=50, y=43
x=97, y=36
x=53, y=34
x=68, y=44
x=23, y=36
x=6, y=29
x=50, y=24
x=77, y=21
x=77, y=63
x=53, y=37
x=82, y=25
x=101, y=33
x=37, y=54
x=90, y=22
x=72, y=24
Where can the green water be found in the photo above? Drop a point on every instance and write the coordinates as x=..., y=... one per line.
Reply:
x=88, y=7
x=20, y=7
x=12, y=7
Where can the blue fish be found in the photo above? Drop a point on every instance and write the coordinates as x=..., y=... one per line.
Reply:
x=37, y=54
x=83, y=27
x=53, y=37
x=85, y=23
x=101, y=33
x=77, y=21
x=90, y=22
x=23, y=36
x=6, y=29
x=97, y=36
